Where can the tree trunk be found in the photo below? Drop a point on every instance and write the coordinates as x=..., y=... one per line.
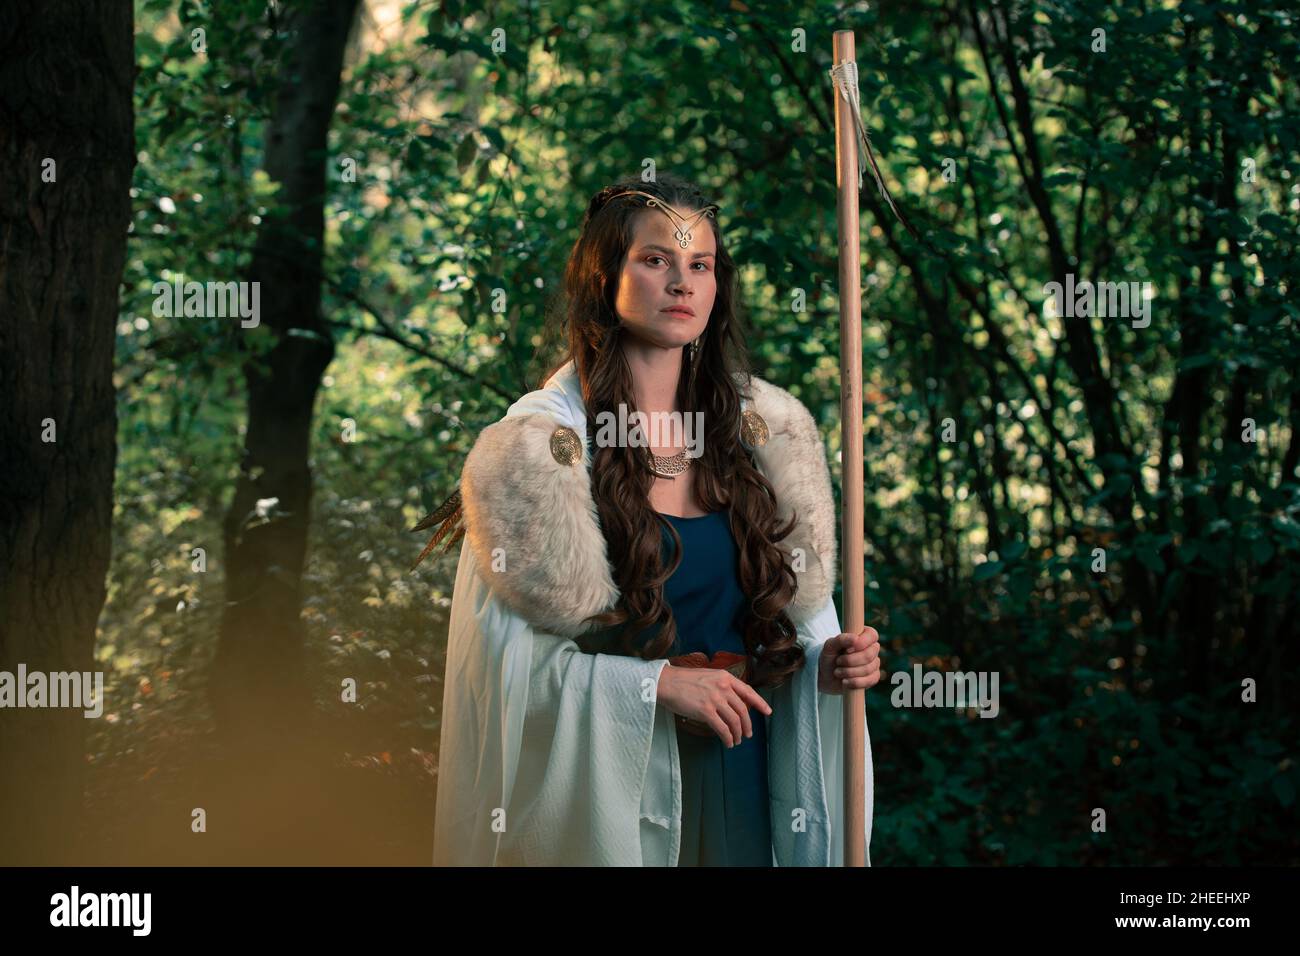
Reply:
x=259, y=690
x=67, y=151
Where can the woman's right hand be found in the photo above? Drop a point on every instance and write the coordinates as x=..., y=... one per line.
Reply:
x=712, y=696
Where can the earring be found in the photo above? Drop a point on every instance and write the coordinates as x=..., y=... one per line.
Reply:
x=695, y=356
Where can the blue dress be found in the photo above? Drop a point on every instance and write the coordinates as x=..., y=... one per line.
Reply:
x=725, y=813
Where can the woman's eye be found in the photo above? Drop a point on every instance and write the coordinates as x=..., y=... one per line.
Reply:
x=650, y=259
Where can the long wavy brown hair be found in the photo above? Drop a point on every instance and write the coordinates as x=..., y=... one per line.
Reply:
x=725, y=474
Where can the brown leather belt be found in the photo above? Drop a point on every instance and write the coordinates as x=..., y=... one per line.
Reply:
x=737, y=664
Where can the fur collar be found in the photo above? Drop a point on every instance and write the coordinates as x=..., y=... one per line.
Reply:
x=532, y=525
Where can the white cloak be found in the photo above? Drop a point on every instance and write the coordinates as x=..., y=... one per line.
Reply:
x=551, y=756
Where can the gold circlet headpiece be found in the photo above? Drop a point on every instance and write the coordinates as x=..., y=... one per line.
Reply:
x=682, y=235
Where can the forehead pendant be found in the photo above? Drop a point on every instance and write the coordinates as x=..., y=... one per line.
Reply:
x=681, y=228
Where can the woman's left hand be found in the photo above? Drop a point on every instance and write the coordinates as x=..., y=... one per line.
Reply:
x=849, y=662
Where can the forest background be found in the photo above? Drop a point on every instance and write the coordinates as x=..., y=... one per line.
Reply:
x=1104, y=510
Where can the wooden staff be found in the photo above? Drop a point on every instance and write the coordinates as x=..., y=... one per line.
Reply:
x=847, y=176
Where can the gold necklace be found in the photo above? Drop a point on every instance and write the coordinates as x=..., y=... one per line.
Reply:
x=671, y=466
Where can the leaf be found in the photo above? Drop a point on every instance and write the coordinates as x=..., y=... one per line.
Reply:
x=466, y=152
x=1060, y=179
x=1150, y=558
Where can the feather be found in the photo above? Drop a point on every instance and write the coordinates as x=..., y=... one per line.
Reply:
x=880, y=182
x=845, y=78
x=448, y=519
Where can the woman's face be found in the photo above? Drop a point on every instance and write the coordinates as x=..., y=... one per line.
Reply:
x=658, y=274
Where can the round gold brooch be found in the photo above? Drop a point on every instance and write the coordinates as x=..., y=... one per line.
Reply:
x=566, y=446
x=753, y=430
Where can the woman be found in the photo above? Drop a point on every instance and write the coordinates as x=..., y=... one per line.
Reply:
x=568, y=735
